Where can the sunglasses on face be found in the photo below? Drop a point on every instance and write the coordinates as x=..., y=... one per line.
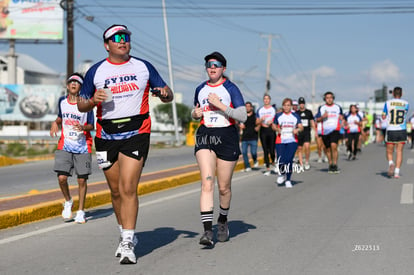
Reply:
x=117, y=37
x=217, y=64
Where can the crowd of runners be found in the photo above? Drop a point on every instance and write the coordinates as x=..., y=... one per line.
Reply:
x=329, y=128
x=118, y=87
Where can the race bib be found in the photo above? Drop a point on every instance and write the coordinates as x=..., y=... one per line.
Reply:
x=286, y=133
x=353, y=128
x=72, y=134
x=305, y=122
x=215, y=119
x=330, y=123
x=102, y=159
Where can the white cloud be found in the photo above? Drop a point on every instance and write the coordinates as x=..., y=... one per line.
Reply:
x=385, y=71
x=325, y=71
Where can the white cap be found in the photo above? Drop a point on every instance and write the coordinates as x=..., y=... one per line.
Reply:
x=115, y=29
x=76, y=78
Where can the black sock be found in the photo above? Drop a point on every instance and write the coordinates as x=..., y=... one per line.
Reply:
x=223, y=214
x=207, y=220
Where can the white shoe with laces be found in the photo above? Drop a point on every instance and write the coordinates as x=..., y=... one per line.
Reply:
x=67, y=210
x=80, y=217
x=288, y=184
x=127, y=253
x=256, y=164
x=119, y=248
x=267, y=173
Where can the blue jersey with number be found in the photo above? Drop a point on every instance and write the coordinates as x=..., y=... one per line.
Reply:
x=396, y=110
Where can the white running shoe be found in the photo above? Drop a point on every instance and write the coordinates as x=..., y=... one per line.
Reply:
x=319, y=160
x=256, y=164
x=248, y=169
x=288, y=184
x=281, y=179
x=325, y=159
x=307, y=166
x=267, y=173
x=67, y=210
x=80, y=217
x=119, y=248
x=127, y=253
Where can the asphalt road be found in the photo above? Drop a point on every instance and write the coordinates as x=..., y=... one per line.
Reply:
x=355, y=222
x=39, y=175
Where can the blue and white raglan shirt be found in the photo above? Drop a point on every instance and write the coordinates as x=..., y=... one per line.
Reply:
x=130, y=83
x=71, y=140
x=353, y=120
x=396, y=111
x=288, y=123
x=332, y=122
x=229, y=95
x=267, y=114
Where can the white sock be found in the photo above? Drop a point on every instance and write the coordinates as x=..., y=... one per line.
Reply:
x=390, y=162
x=127, y=235
x=397, y=171
x=120, y=228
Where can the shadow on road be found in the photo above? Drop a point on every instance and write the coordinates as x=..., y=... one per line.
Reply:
x=159, y=237
x=98, y=213
x=383, y=174
x=151, y=240
x=237, y=227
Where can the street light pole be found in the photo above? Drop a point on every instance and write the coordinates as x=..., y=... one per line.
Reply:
x=167, y=40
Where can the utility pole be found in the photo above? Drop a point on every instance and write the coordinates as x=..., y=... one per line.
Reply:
x=269, y=55
x=12, y=62
x=68, y=6
x=313, y=91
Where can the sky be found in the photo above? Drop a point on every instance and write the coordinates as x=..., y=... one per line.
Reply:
x=350, y=47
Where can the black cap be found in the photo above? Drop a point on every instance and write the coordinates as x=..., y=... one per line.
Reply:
x=217, y=56
x=301, y=100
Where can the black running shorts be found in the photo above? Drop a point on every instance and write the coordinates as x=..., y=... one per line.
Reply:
x=107, y=151
x=331, y=138
x=398, y=136
x=223, y=141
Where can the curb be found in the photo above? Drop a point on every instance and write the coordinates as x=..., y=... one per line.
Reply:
x=52, y=209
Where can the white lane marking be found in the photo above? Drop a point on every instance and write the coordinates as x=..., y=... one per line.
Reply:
x=63, y=225
x=410, y=161
x=33, y=233
x=407, y=193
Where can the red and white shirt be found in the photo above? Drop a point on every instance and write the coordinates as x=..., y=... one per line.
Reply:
x=71, y=140
x=130, y=83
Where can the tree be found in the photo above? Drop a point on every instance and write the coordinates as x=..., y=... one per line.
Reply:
x=183, y=113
